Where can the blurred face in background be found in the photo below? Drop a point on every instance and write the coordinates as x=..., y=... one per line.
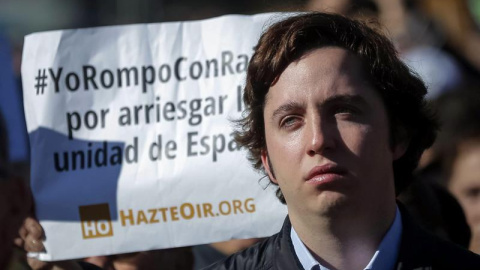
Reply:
x=464, y=181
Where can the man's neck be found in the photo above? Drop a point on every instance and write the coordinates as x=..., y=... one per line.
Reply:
x=348, y=239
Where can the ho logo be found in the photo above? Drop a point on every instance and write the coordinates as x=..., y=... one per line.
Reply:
x=96, y=221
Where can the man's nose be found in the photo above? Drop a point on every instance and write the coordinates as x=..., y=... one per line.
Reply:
x=320, y=137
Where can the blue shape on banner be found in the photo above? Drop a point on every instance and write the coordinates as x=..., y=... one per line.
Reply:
x=63, y=182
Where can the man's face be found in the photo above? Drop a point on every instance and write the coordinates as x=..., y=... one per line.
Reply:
x=327, y=136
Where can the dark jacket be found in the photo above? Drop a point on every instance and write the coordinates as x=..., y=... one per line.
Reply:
x=419, y=250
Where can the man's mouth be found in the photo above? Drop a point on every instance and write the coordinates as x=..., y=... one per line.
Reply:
x=325, y=174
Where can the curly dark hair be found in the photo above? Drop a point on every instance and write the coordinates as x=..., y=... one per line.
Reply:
x=402, y=92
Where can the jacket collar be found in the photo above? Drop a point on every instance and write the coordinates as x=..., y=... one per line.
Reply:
x=416, y=246
x=284, y=255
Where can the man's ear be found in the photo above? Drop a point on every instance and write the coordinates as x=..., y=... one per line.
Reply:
x=267, y=165
x=402, y=141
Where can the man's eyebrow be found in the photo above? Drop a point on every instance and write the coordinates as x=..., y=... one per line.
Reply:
x=349, y=99
x=287, y=107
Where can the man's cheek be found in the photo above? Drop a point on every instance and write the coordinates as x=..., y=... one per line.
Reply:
x=472, y=213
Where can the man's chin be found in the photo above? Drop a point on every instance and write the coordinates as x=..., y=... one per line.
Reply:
x=330, y=203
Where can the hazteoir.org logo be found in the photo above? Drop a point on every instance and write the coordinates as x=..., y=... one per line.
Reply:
x=96, y=221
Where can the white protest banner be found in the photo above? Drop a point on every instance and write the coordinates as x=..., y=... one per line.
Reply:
x=131, y=137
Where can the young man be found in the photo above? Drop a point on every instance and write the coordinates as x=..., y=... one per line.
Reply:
x=338, y=123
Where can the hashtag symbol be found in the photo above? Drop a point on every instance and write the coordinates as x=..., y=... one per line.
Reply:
x=40, y=79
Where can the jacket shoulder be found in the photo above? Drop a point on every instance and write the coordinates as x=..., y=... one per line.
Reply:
x=452, y=256
x=420, y=249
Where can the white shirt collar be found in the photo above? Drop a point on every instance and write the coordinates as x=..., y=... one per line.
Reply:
x=384, y=258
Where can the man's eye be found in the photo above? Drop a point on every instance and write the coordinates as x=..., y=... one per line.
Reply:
x=472, y=193
x=289, y=121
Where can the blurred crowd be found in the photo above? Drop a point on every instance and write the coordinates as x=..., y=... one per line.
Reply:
x=437, y=39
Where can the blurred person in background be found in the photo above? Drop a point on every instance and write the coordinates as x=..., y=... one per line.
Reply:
x=457, y=150
x=14, y=197
x=14, y=202
x=11, y=107
x=457, y=25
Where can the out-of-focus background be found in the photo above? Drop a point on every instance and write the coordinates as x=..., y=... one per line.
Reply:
x=438, y=39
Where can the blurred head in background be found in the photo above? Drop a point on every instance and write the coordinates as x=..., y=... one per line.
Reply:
x=458, y=150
